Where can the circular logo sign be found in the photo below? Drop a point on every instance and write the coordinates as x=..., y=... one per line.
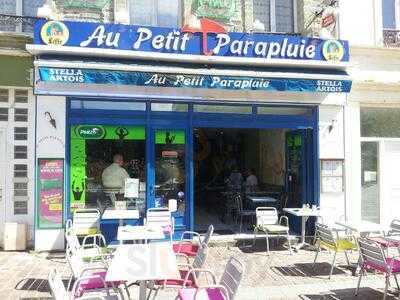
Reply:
x=90, y=132
x=333, y=50
x=54, y=33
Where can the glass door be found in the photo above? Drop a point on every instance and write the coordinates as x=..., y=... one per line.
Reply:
x=168, y=173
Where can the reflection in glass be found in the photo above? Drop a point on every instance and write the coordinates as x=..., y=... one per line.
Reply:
x=369, y=182
x=170, y=169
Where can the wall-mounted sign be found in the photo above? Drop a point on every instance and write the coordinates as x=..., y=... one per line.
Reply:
x=50, y=192
x=90, y=76
x=215, y=9
x=209, y=39
x=90, y=132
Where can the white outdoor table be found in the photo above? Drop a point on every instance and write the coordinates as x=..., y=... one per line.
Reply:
x=304, y=213
x=143, y=262
x=139, y=233
x=363, y=227
x=120, y=214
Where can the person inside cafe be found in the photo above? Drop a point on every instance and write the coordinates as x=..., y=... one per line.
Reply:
x=251, y=182
x=113, y=177
x=235, y=179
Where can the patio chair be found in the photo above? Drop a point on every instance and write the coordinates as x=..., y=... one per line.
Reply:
x=225, y=289
x=160, y=217
x=189, y=246
x=269, y=223
x=328, y=240
x=59, y=292
x=386, y=243
x=242, y=213
x=81, y=268
x=187, y=277
x=92, y=247
x=85, y=222
x=373, y=257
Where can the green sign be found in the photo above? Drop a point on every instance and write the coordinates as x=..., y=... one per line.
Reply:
x=215, y=9
x=90, y=132
x=166, y=137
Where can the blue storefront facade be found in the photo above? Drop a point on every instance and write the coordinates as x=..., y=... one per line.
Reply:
x=146, y=91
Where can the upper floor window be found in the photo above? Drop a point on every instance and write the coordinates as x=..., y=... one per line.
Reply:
x=275, y=15
x=164, y=13
x=389, y=14
x=25, y=8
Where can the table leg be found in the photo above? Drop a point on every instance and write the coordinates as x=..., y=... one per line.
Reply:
x=303, y=233
x=142, y=290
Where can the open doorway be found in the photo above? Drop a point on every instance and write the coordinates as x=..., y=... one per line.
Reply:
x=228, y=161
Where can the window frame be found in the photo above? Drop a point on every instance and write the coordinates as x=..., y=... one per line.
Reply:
x=155, y=10
x=272, y=17
x=396, y=9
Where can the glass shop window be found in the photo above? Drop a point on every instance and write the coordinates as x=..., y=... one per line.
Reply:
x=164, y=13
x=108, y=167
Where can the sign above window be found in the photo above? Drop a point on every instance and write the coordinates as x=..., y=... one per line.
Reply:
x=222, y=10
x=209, y=40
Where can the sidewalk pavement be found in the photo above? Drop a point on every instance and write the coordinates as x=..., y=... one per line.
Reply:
x=23, y=275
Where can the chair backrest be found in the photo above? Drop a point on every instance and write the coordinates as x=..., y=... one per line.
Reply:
x=325, y=235
x=395, y=226
x=238, y=202
x=266, y=216
x=232, y=276
x=57, y=286
x=372, y=254
x=200, y=257
x=159, y=217
x=75, y=261
x=208, y=235
x=85, y=220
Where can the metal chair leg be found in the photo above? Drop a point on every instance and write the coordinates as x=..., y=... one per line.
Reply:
x=397, y=283
x=358, y=284
x=386, y=287
x=333, y=264
x=255, y=235
x=266, y=238
x=316, y=255
x=347, y=258
x=288, y=240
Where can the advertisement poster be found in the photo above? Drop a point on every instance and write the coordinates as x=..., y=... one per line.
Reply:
x=50, y=192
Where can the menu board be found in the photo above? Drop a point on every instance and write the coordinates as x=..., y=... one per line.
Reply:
x=332, y=176
x=50, y=189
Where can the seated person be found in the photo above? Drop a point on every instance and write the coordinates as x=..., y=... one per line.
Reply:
x=251, y=181
x=113, y=177
x=235, y=179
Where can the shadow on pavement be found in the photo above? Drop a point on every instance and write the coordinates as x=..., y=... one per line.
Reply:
x=347, y=294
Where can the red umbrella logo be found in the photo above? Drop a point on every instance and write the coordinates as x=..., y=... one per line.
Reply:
x=206, y=26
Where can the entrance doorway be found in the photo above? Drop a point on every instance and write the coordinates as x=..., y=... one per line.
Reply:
x=269, y=163
x=3, y=168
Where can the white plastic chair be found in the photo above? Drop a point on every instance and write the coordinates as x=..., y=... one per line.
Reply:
x=269, y=223
x=160, y=217
x=59, y=292
x=225, y=289
x=85, y=222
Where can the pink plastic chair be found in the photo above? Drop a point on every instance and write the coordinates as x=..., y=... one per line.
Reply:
x=225, y=290
x=190, y=247
x=373, y=257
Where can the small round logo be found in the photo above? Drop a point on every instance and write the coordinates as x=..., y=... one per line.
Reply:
x=333, y=50
x=54, y=33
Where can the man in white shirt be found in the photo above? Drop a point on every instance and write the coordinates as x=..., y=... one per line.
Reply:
x=113, y=177
x=251, y=181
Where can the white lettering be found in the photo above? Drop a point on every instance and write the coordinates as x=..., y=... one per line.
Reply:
x=223, y=40
x=236, y=47
x=158, y=42
x=98, y=34
x=273, y=50
x=261, y=49
x=310, y=51
x=144, y=35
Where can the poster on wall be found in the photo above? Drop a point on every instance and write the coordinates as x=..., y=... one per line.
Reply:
x=50, y=189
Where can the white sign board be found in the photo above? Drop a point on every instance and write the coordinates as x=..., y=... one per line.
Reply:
x=131, y=188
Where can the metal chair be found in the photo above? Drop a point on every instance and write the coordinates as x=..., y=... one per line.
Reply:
x=161, y=217
x=225, y=289
x=85, y=222
x=373, y=257
x=242, y=212
x=189, y=246
x=327, y=240
x=269, y=223
x=59, y=292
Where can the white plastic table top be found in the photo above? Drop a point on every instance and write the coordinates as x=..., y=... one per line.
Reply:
x=303, y=212
x=363, y=226
x=143, y=262
x=132, y=233
x=120, y=214
x=261, y=199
